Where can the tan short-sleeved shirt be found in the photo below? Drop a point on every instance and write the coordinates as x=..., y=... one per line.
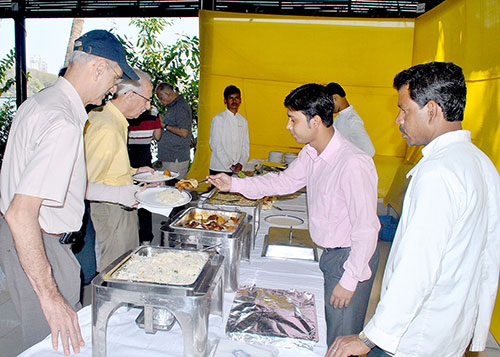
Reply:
x=44, y=157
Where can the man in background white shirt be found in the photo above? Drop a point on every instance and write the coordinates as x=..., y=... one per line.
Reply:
x=348, y=121
x=229, y=140
x=441, y=277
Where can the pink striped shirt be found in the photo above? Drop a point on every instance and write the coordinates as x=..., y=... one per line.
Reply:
x=342, y=200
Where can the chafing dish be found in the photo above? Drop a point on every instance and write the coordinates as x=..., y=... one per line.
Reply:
x=233, y=244
x=236, y=202
x=190, y=304
x=289, y=243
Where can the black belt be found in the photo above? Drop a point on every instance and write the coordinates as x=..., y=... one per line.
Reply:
x=66, y=238
x=334, y=249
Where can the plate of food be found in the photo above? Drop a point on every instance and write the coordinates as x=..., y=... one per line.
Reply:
x=163, y=197
x=157, y=176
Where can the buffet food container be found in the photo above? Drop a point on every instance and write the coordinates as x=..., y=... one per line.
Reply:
x=190, y=304
x=232, y=244
x=236, y=202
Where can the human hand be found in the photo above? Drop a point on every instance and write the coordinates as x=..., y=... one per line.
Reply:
x=236, y=168
x=145, y=169
x=340, y=297
x=63, y=322
x=345, y=346
x=126, y=195
x=222, y=181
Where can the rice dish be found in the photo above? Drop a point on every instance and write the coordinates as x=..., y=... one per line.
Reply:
x=170, y=196
x=175, y=267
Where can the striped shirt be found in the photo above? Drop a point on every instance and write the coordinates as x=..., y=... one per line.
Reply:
x=141, y=129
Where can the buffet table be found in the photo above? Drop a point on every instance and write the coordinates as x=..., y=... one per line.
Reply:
x=125, y=338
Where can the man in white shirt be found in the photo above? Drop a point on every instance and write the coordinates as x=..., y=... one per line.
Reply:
x=229, y=140
x=441, y=276
x=348, y=121
x=43, y=183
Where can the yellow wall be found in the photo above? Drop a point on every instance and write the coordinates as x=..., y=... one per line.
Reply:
x=467, y=32
x=268, y=56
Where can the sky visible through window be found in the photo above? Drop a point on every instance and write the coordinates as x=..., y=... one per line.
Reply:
x=47, y=39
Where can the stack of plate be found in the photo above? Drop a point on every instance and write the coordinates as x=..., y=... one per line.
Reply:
x=276, y=156
x=289, y=157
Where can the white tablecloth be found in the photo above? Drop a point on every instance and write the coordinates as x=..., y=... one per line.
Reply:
x=124, y=338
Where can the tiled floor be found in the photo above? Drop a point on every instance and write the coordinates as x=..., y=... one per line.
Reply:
x=10, y=342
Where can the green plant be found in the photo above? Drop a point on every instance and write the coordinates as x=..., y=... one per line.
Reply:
x=177, y=64
x=7, y=108
x=6, y=64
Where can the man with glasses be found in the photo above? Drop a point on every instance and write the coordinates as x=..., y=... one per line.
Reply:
x=108, y=165
x=42, y=186
x=174, y=145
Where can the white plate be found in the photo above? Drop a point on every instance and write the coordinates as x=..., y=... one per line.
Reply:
x=284, y=220
x=148, y=197
x=146, y=177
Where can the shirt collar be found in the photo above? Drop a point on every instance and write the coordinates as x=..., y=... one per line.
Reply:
x=331, y=151
x=67, y=88
x=117, y=114
x=231, y=113
x=346, y=110
x=174, y=101
x=439, y=143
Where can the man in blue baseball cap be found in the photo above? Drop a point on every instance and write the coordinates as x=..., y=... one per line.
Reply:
x=43, y=182
x=104, y=44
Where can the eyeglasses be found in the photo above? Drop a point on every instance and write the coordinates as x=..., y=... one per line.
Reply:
x=143, y=97
x=118, y=77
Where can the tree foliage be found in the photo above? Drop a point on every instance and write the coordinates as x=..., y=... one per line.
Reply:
x=177, y=64
x=7, y=109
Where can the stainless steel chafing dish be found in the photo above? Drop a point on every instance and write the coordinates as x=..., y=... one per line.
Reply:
x=225, y=201
x=231, y=244
x=190, y=304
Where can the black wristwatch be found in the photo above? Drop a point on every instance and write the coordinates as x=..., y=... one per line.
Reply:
x=365, y=340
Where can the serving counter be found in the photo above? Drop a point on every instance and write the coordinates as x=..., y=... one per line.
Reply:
x=125, y=338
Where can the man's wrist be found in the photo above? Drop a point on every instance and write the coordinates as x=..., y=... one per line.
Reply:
x=366, y=340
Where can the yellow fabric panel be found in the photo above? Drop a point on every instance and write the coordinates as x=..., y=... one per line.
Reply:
x=268, y=56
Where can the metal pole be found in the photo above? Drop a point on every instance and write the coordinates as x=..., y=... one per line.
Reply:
x=21, y=69
x=207, y=4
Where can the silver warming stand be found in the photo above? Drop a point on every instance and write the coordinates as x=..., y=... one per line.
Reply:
x=231, y=244
x=251, y=209
x=190, y=304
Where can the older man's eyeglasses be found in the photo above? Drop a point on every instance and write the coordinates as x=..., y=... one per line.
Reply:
x=143, y=97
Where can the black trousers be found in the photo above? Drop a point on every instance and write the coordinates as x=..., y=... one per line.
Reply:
x=140, y=155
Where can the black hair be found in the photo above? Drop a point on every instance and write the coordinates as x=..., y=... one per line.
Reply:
x=335, y=88
x=231, y=90
x=312, y=99
x=442, y=82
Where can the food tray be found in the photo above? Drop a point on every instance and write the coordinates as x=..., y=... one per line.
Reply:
x=148, y=252
x=179, y=224
x=230, y=199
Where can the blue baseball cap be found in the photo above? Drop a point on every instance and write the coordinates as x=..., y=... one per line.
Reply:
x=104, y=44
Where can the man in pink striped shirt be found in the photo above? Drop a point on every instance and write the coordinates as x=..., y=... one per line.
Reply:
x=341, y=184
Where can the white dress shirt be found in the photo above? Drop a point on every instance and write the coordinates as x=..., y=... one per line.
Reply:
x=441, y=276
x=229, y=141
x=44, y=157
x=351, y=126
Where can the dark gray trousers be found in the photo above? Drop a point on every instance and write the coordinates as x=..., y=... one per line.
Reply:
x=66, y=272
x=349, y=320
